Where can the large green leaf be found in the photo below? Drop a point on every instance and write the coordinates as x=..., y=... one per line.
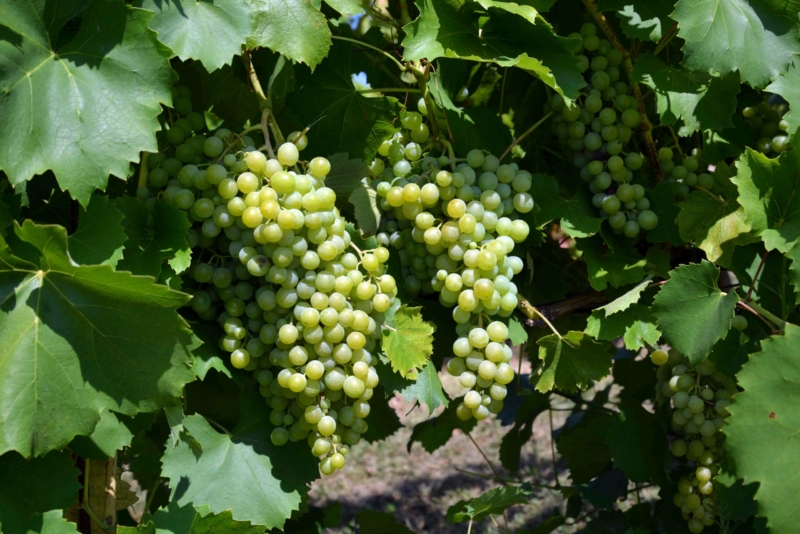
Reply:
x=241, y=471
x=693, y=313
x=36, y=486
x=147, y=248
x=715, y=223
x=570, y=362
x=449, y=29
x=293, y=28
x=788, y=86
x=578, y=216
x=211, y=31
x=348, y=121
x=701, y=100
x=409, y=342
x=522, y=431
x=86, y=108
x=99, y=238
x=764, y=428
x=77, y=340
x=51, y=522
x=109, y=436
x=769, y=191
x=664, y=203
x=748, y=36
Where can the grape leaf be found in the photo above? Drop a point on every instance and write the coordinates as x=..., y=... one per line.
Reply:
x=716, y=224
x=427, y=389
x=186, y=520
x=692, y=312
x=524, y=10
x=87, y=108
x=347, y=175
x=445, y=29
x=241, y=471
x=207, y=354
x=436, y=431
x=729, y=354
x=584, y=447
x=570, y=362
x=701, y=100
x=577, y=215
x=51, y=522
x=348, y=121
x=409, y=343
x=383, y=420
x=794, y=269
x=69, y=337
x=99, y=238
x=636, y=326
x=769, y=192
x=664, y=203
x=748, y=36
x=293, y=28
x=495, y=501
x=615, y=267
x=187, y=27
x=628, y=299
x=146, y=249
x=788, y=86
x=345, y=7
x=109, y=436
x=35, y=486
x=512, y=443
x=762, y=431
x=380, y=523
x=638, y=442
x=648, y=20
x=517, y=334
x=365, y=203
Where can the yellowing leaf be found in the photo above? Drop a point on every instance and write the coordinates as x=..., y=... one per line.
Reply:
x=408, y=344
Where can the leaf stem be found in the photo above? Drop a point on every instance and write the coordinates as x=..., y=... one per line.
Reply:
x=389, y=90
x=553, y=448
x=755, y=278
x=375, y=48
x=665, y=39
x=519, y=139
x=265, y=131
x=488, y=462
x=645, y=129
x=404, y=16
x=762, y=313
x=531, y=312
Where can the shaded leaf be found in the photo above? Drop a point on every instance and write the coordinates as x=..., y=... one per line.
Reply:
x=380, y=523
x=638, y=442
x=99, y=238
x=427, y=389
x=578, y=216
x=436, y=431
x=788, y=86
x=700, y=100
x=109, y=436
x=522, y=431
x=606, y=267
x=32, y=487
x=584, y=447
x=636, y=326
x=495, y=501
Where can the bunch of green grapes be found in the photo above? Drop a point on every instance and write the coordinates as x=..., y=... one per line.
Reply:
x=598, y=131
x=700, y=397
x=769, y=127
x=690, y=171
x=455, y=231
x=272, y=264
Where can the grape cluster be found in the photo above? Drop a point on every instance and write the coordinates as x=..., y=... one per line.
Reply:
x=455, y=231
x=271, y=263
x=700, y=398
x=768, y=125
x=598, y=131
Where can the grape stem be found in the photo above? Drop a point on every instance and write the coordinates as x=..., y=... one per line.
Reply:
x=265, y=131
x=143, y=170
x=519, y=139
x=389, y=90
x=486, y=458
x=375, y=48
x=531, y=313
x=755, y=278
x=646, y=127
x=763, y=314
x=404, y=16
